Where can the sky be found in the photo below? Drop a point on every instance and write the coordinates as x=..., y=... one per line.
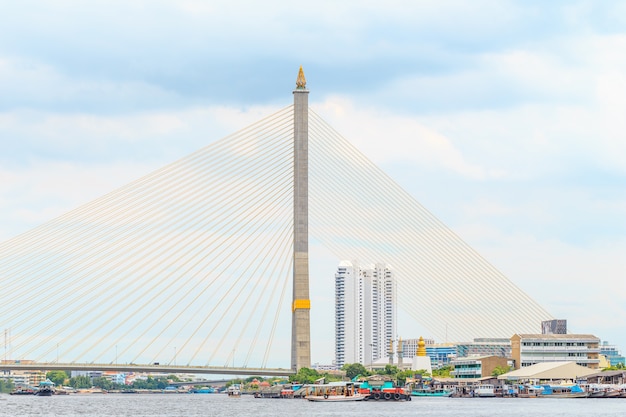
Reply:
x=504, y=118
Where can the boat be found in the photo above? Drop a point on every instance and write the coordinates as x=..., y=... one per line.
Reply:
x=202, y=390
x=23, y=391
x=379, y=387
x=234, y=390
x=563, y=391
x=334, y=392
x=431, y=392
x=45, y=388
x=529, y=391
x=485, y=390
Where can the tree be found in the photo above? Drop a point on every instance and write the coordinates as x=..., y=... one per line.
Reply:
x=305, y=376
x=103, y=383
x=443, y=372
x=6, y=385
x=403, y=375
x=80, y=381
x=354, y=369
x=390, y=370
x=58, y=377
x=499, y=370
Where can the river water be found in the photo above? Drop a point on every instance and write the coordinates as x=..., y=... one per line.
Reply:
x=210, y=405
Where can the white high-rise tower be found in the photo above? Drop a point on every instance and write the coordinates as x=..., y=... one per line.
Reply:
x=365, y=312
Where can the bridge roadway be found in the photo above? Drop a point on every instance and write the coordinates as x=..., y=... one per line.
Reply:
x=154, y=368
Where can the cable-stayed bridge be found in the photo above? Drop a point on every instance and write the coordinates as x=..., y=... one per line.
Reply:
x=193, y=266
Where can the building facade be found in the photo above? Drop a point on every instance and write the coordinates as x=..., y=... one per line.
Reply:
x=475, y=367
x=612, y=354
x=365, y=312
x=485, y=347
x=529, y=349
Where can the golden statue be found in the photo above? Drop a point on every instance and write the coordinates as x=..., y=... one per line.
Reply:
x=301, y=81
x=421, y=347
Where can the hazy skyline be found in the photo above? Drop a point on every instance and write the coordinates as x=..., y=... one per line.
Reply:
x=504, y=119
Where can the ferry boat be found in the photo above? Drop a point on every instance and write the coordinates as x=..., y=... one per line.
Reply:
x=431, y=392
x=45, y=389
x=334, y=392
x=529, y=391
x=563, y=391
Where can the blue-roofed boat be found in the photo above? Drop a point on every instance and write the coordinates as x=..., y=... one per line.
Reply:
x=45, y=388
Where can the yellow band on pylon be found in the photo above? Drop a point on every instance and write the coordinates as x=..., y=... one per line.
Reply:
x=301, y=304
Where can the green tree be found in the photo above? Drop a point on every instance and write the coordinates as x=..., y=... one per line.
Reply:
x=81, y=381
x=616, y=367
x=443, y=372
x=58, y=377
x=354, y=369
x=305, y=376
x=499, y=370
x=6, y=385
x=403, y=375
x=390, y=370
x=103, y=383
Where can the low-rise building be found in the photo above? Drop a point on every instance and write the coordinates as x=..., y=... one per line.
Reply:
x=475, y=367
x=530, y=349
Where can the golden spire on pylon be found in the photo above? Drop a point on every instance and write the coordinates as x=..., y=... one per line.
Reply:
x=301, y=81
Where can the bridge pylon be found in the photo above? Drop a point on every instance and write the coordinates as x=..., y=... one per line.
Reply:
x=301, y=327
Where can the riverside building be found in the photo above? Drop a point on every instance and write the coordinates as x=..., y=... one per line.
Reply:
x=365, y=312
x=530, y=349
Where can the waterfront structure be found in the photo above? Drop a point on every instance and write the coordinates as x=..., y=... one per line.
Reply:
x=530, y=349
x=554, y=371
x=612, y=354
x=475, y=367
x=485, y=347
x=365, y=313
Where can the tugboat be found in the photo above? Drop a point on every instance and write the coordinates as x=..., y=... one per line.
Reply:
x=45, y=389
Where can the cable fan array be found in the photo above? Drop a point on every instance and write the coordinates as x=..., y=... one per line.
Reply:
x=360, y=213
x=191, y=262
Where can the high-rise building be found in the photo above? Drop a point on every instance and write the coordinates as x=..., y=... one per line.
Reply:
x=365, y=312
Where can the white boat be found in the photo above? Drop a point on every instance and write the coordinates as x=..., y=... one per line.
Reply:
x=234, y=390
x=334, y=392
x=485, y=390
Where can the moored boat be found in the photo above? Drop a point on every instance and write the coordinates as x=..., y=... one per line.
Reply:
x=431, y=392
x=485, y=390
x=45, y=389
x=23, y=391
x=334, y=392
x=563, y=391
x=234, y=390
